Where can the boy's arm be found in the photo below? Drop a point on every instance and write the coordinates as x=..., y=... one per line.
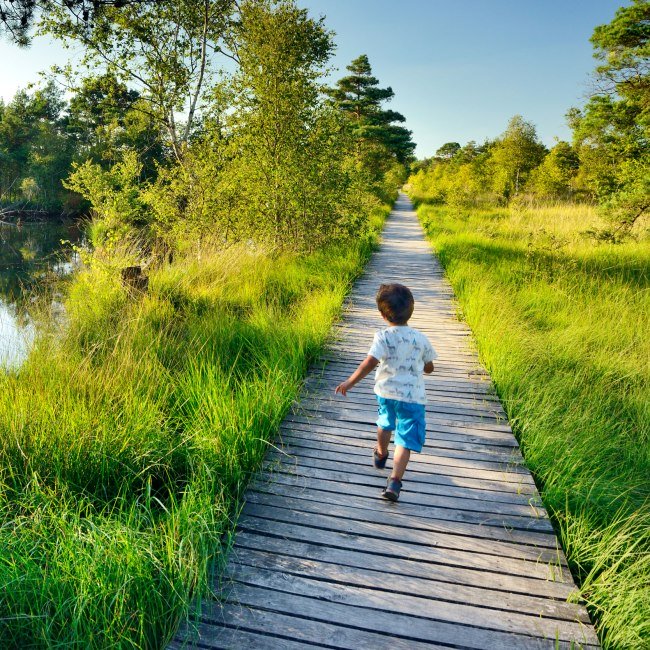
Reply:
x=364, y=369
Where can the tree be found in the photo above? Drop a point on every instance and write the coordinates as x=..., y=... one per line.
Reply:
x=612, y=132
x=285, y=146
x=448, y=150
x=34, y=145
x=555, y=176
x=105, y=118
x=380, y=141
x=623, y=47
x=165, y=50
x=514, y=155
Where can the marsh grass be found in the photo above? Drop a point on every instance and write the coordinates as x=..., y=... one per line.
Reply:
x=131, y=430
x=562, y=321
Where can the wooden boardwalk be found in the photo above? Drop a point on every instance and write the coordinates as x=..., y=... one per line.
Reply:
x=466, y=559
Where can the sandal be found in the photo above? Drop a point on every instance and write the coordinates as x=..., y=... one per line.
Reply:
x=379, y=461
x=391, y=491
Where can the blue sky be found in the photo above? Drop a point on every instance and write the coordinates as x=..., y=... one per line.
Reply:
x=459, y=68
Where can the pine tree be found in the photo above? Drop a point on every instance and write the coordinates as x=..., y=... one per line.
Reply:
x=380, y=142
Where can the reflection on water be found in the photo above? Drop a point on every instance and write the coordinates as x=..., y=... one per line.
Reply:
x=28, y=255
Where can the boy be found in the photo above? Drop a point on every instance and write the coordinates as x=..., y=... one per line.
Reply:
x=400, y=354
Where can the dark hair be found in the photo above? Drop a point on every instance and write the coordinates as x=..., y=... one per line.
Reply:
x=395, y=303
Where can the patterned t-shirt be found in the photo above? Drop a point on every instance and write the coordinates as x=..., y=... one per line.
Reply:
x=402, y=353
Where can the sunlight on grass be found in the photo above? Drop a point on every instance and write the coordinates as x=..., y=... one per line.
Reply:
x=131, y=430
x=561, y=322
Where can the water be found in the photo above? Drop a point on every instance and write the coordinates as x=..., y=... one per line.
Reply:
x=29, y=255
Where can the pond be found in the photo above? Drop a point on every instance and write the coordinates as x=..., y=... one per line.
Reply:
x=30, y=254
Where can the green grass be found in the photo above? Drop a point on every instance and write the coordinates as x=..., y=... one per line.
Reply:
x=562, y=324
x=130, y=432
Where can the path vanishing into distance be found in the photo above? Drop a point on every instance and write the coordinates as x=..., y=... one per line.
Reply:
x=466, y=559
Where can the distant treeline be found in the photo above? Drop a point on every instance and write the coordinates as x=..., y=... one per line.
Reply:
x=160, y=143
x=607, y=162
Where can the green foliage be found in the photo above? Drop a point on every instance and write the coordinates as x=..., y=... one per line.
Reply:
x=554, y=177
x=34, y=146
x=513, y=156
x=609, y=160
x=105, y=117
x=448, y=150
x=459, y=176
x=115, y=195
x=285, y=154
x=623, y=47
x=160, y=48
x=379, y=143
x=539, y=298
x=612, y=132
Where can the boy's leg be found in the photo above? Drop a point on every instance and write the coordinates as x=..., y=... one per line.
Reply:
x=383, y=440
x=409, y=435
x=386, y=421
x=400, y=461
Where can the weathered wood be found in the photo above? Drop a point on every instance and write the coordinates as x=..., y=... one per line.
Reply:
x=425, y=494
x=396, y=548
x=517, y=585
x=365, y=509
x=511, y=464
x=358, y=445
x=394, y=626
x=283, y=483
x=333, y=519
x=415, y=586
x=222, y=621
x=408, y=605
x=467, y=558
x=446, y=486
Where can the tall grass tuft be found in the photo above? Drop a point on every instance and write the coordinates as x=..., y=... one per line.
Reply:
x=131, y=430
x=562, y=321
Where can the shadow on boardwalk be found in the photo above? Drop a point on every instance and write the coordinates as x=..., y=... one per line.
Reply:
x=466, y=559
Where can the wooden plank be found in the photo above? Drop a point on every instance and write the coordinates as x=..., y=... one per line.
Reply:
x=454, y=484
x=221, y=619
x=325, y=385
x=352, y=557
x=408, y=605
x=209, y=637
x=396, y=549
x=424, y=494
x=423, y=466
x=476, y=432
x=435, y=434
x=364, y=439
x=275, y=482
x=334, y=520
x=362, y=445
x=365, y=509
x=512, y=463
x=408, y=628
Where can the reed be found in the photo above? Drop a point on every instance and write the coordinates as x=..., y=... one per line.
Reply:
x=561, y=322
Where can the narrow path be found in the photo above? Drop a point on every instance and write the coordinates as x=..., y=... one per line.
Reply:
x=466, y=559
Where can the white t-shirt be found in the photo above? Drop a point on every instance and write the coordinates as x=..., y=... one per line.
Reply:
x=402, y=352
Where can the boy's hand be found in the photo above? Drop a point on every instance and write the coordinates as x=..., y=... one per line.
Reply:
x=368, y=364
x=428, y=367
x=343, y=388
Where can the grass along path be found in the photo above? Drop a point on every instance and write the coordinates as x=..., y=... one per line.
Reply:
x=127, y=439
x=562, y=325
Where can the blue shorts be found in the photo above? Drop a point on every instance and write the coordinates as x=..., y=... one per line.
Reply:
x=410, y=431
